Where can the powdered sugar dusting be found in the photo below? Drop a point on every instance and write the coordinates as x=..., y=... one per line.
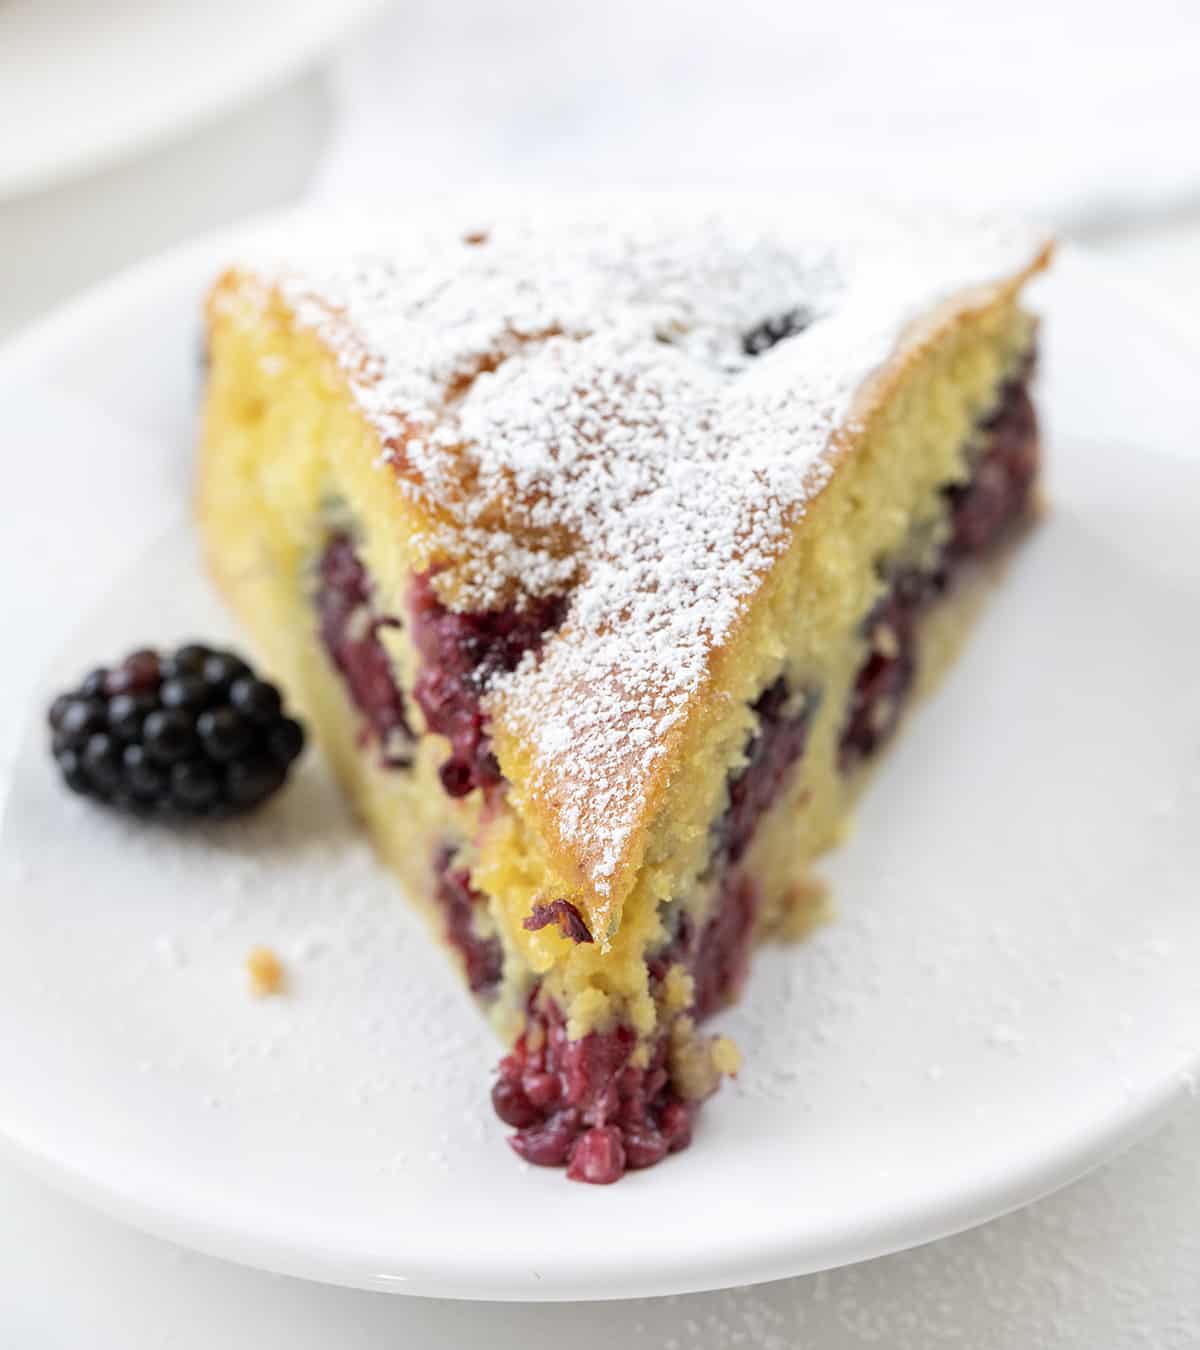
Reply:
x=573, y=402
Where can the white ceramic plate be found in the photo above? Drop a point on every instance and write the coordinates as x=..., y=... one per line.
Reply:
x=83, y=82
x=1009, y=993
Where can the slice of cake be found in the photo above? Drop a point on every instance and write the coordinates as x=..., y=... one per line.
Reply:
x=603, y=546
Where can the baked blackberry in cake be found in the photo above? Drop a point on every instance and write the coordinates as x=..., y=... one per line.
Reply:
x=603, y=546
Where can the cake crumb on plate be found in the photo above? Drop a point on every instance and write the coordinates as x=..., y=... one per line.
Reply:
x=266, y=972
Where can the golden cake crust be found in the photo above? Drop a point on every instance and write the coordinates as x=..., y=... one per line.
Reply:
x=560, y=407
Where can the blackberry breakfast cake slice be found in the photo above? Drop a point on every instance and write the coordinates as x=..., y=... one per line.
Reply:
x=603, y=559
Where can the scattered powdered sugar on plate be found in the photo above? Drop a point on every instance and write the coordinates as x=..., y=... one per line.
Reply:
x=572, y=394
x=297, y=877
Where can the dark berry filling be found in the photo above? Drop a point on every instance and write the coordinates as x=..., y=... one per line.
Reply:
x=999, y=492
x=460, y=654
x=884, y=679
x=774, y=330
x=983, y=511
x=585, y=1104
x=461, y=905
x=783, y=721
x=350, y=631
x=563, y=913
x=717, y=955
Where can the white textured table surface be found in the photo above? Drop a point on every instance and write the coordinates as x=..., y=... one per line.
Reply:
x=1113, y=1263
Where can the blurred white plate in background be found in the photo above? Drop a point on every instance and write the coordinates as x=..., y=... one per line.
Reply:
x=85, y=82
x=1008, y=994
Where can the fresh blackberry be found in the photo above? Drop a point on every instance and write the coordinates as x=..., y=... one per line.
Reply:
x=193, y=732
x=765, y=335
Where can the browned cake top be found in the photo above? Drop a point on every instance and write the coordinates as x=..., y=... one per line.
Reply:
x=630, y=403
